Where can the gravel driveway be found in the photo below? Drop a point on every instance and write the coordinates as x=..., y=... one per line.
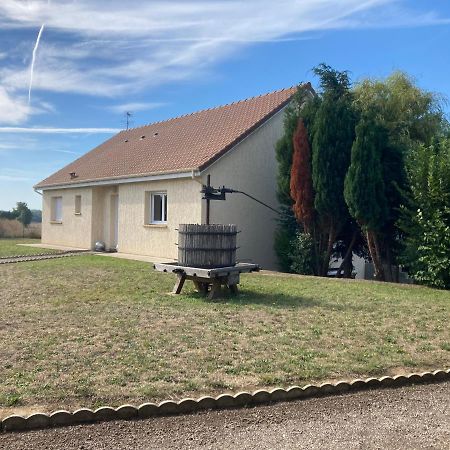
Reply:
x=415, y=417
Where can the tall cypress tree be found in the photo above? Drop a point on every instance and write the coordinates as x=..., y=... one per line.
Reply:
x=365, y=191
x=334, y=132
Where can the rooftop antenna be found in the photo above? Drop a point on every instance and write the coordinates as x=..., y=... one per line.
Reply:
x=128, y=115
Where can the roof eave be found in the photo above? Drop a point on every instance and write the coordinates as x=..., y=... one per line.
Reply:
x=184, y=173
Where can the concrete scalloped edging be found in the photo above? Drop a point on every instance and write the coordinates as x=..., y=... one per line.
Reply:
x=224, y=401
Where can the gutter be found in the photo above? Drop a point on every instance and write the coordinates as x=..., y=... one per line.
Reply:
x=115, y=181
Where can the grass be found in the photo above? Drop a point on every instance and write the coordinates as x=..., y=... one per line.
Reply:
x=9, y=247
x=90, y=330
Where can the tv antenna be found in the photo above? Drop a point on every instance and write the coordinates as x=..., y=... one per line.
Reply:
x=128, y=115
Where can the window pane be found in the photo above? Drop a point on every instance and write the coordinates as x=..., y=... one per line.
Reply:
x=57, y=209
x=165, y=207
x=157, y=208
x=78, y=204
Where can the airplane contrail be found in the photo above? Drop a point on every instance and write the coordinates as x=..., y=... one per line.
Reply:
x=33, y=59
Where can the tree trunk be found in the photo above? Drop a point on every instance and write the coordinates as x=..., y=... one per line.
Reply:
x=389, y=274
x=317, y=246
x=331, y=239
x=374, y=250
x=347, y=258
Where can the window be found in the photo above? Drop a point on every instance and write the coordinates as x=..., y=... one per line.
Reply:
x=56, y=209
x=158, y=207
x=77, y=204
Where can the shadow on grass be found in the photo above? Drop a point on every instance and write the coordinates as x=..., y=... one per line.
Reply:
x=250, y=297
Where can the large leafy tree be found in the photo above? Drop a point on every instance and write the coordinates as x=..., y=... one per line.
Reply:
x=410, y=114
x=411, y=117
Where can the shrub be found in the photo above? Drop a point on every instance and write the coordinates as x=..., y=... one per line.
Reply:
x=302, y=254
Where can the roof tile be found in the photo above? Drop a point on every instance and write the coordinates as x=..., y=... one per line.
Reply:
x=185, y=143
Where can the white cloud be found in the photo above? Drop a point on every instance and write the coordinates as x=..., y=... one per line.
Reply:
x=50, y=130
x=10, y=174
x=134, y=106
x=13, y=109
x=13, y=178
x=114, y=48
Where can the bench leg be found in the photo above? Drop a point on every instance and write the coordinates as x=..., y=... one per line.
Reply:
x=215, y=290
x=233, y=289
x=179, y=284
x=201, y=287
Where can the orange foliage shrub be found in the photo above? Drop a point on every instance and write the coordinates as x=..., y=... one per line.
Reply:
x=301, y=185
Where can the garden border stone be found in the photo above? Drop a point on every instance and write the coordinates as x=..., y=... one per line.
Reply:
x=224, y=401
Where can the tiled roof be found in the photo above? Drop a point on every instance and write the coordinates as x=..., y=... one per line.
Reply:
x=185, y=143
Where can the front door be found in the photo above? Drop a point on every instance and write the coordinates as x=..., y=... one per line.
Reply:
x=114, y=221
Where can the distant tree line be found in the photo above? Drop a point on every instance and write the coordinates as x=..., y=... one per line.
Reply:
x=365, y=169
x=22, y=214
x=36, y=214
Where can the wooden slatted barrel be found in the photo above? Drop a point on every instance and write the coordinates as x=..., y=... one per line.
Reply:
x=207, y=246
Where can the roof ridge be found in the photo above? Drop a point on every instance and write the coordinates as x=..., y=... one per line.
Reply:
x=211, y=108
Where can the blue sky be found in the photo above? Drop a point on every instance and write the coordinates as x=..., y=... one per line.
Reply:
x=96, y=59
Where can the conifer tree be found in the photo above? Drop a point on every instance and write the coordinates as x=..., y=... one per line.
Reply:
x=334, y=131
x=364, y=191
x=301, y=187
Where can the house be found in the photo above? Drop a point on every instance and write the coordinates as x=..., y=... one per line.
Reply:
x=133, y=191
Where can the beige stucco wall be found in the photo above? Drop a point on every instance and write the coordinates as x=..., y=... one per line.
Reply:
x=74, y=230
x=183, y=206
x=250, y=167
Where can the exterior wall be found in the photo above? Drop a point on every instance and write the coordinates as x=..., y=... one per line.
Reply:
x=250, y=167
x=183, y=206
x=75, y=229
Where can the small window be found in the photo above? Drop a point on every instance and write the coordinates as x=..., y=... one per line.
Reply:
x=78, y=204
x=158, y=207
x=56, y=213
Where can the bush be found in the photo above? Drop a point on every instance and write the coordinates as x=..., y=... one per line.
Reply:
x=433, y=262
x=302, y=254
x=426, y=217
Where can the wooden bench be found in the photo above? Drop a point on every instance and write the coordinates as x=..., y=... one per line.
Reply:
x=208, y=282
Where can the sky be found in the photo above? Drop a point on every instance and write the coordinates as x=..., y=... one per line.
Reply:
x=70, y=69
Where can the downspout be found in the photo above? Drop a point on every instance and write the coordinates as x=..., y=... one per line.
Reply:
x=195, y=174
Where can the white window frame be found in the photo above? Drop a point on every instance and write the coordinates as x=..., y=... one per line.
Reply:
x=164, y=208
x=57, y=211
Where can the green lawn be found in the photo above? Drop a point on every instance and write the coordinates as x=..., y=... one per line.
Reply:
x=91, y=330
x=9, y=247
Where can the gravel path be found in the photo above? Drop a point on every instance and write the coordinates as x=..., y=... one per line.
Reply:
x=415, y=417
